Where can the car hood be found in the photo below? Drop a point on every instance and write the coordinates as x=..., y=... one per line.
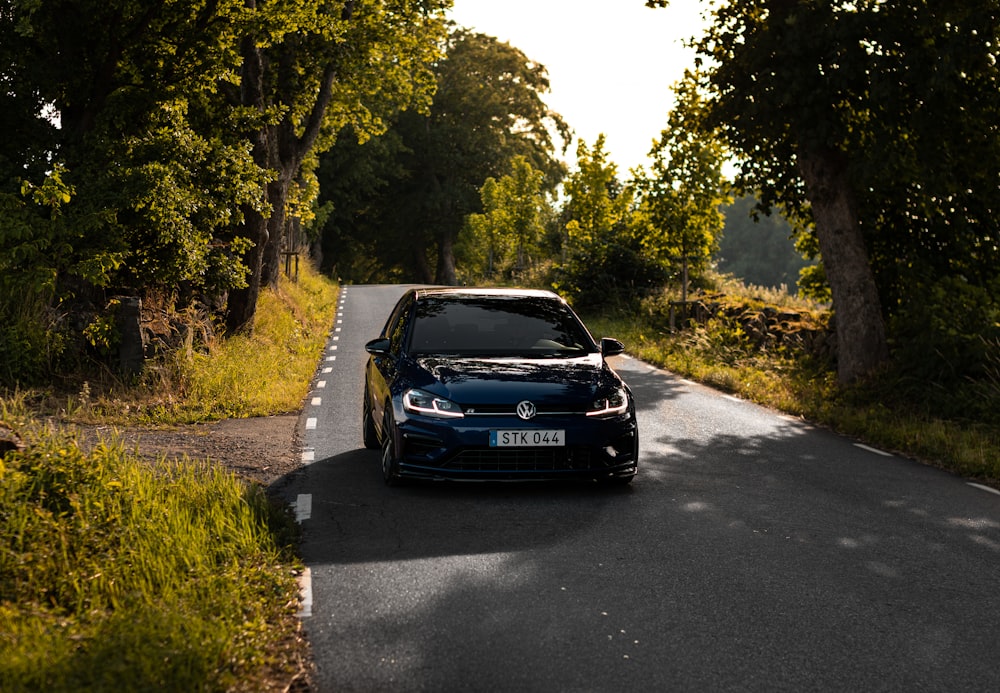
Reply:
x=470, y=381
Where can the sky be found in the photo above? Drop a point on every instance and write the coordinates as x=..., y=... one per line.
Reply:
x=610, y=70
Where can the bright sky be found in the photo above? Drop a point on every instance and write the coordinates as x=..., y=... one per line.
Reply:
x=611, y=63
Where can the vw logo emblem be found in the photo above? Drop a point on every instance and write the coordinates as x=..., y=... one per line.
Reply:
x=526, y=410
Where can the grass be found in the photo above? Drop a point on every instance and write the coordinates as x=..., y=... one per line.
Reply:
x=877, y=413
x=121, y=575
x=118, y=574
x=264, y=374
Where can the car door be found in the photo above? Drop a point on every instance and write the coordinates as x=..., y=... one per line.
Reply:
x=383, y=367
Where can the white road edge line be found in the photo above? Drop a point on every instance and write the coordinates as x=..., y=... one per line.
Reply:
x=308, y=456
x=875, y=450
x=984, y=488
x=311, y=423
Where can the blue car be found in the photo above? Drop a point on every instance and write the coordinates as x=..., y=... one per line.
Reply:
x=496, y=385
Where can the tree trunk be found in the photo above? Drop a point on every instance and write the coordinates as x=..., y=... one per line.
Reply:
x=424, y=274
x=241, y=305
x=446, y=261
x=277, y=148
x=861, y=338
x=270, y=270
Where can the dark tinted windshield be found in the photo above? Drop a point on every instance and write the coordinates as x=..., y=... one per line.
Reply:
x=497, y=326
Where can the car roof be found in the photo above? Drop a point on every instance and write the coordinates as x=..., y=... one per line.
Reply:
x=482, y=292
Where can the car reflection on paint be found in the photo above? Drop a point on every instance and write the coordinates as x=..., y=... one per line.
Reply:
x=496, y=384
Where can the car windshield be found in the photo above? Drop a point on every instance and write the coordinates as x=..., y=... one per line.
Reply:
x=532, y=326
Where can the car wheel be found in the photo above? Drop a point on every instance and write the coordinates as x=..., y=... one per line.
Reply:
x=368, y=433
x=390, y=463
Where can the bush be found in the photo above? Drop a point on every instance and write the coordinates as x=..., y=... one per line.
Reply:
x=945, y=341
x=31, y=342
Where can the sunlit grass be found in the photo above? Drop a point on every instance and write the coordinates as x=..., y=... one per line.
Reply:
x=118, y=574
x=243, y=376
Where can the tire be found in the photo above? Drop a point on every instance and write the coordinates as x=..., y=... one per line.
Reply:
x=390, y=463
x=369, y=435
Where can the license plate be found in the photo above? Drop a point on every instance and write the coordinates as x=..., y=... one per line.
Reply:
x=527, y=439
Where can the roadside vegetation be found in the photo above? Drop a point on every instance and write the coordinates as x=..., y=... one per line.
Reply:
x=954, y=429
x=118, y=574
x=168, y=164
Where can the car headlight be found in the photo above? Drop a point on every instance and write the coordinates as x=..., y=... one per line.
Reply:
x=613, y=405
x=426, y=404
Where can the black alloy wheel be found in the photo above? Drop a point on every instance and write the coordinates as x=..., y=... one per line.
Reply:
x=390, y=463
x=368, y=433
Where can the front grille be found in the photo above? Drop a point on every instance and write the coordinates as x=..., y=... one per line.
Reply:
x=508, y=410
x=523, y=460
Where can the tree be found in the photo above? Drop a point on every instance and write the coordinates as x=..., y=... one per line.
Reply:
x=187, y=130
x=604, y=249
x=682, y=194
x=853, y=115
x=487, y=110
x=513, y=218
x=155, y=174
x=311, y=70
x=784, y=84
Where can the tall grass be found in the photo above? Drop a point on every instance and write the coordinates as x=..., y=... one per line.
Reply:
x=120, y=575
x=242, y=376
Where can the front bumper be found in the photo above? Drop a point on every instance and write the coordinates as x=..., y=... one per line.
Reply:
x=459, y=450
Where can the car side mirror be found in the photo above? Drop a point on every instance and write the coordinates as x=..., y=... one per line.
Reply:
x=378, y=347
x=611, y=347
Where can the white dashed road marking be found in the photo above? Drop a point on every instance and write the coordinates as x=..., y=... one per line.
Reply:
x=303, y=507
x=303, y=503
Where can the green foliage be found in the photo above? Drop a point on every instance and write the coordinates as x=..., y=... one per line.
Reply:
x=602, y=250
x=101, y=332
x=184, y=128
x=115, y=574
x=947, y=333
x=32, y=342
x=403, y=197
x=506, y=237
x=684, y=190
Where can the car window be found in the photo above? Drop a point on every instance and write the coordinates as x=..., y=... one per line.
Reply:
x=517, y=326
x=395, y=327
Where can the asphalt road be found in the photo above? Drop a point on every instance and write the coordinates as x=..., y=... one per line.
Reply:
x=753, y=552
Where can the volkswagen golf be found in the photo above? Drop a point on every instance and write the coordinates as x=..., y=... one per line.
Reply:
x=496, y=385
